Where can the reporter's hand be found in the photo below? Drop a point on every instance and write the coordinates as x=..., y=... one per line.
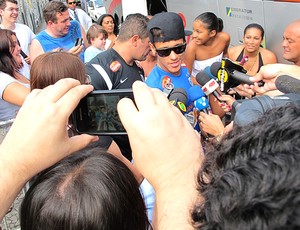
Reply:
x=164, y=144
x=268, y=74
x=227, y=102
x=243, y=91
x=211, y=124
x=38, y=137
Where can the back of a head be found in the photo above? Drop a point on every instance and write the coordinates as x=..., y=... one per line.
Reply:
x=134, y=24
x=211, y=20
x=88, y=190
x=50, y=67
x=251, y=179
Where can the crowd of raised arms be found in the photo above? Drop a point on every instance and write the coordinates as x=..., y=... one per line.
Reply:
x=212, y=133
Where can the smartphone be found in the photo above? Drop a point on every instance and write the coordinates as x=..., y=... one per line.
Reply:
x=97, y=112
x=79, y=41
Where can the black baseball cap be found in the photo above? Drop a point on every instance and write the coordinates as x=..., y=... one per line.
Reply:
x=171, y=26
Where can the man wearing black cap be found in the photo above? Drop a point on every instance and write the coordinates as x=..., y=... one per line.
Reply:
x=167, y=35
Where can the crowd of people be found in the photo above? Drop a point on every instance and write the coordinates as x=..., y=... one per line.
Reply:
x=179, y=167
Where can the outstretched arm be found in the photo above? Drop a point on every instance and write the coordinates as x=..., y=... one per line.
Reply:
x=269, y=74
x=167, y=151
x=38, y=137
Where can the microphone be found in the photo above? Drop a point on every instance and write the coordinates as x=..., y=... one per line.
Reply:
x=202, y=104
x=195, y=92
x=178, y=97
x=287, y=84
x=233, y=70
x=209, y=85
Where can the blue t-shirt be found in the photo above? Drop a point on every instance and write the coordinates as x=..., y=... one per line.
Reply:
x=66, y=42
x=158, y=78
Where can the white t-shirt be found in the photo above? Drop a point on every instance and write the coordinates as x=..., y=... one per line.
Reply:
x=7, y=110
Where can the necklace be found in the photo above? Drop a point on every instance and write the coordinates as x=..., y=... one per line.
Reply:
x=256, y=57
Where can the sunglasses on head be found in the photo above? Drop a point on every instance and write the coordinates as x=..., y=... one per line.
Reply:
x=70, y=3
x=179, y=49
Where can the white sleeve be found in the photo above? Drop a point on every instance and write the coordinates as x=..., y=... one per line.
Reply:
x=5, y=81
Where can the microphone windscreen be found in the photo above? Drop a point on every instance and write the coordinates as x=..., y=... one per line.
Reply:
x=201, y=103
x=207, y=71
x=202, y=78
x=287, y=84
x=179, y=94
x=195, y=92
x=214, y=68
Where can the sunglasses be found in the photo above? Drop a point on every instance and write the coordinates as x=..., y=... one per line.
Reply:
x=70, y=3
x=179, y=49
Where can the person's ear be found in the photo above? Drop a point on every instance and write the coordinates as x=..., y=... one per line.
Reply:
x=134, y=40
x=212, y=33
x=153, y=50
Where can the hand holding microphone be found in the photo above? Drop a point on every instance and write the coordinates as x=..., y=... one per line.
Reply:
x=283, y=77
x=211, y=124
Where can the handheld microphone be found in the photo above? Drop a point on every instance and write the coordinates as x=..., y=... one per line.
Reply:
x=287, y=84
x=195, y=92
x=233, y=70
x=209, y=85
x=178, y=97
x=202, y=104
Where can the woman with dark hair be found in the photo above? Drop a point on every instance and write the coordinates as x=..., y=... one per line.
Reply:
x=209, y=43
x=108, y=23
x=14, y=87
x=90, y=189
x=251, y=55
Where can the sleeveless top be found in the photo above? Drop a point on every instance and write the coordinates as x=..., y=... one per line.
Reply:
x=201, y=65
x=66, y=42
x=260, y=61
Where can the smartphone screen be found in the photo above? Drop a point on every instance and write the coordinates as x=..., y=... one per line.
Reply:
x=97, y=113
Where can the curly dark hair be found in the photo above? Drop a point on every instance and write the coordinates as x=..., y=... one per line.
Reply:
x=251, y=179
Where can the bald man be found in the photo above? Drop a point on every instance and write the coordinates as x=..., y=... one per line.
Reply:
x=291, y=42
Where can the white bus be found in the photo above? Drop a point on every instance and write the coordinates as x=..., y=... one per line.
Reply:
x=274, y=16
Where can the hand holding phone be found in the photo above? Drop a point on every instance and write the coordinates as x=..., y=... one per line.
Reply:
x=97, y=112
x=79, y=41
